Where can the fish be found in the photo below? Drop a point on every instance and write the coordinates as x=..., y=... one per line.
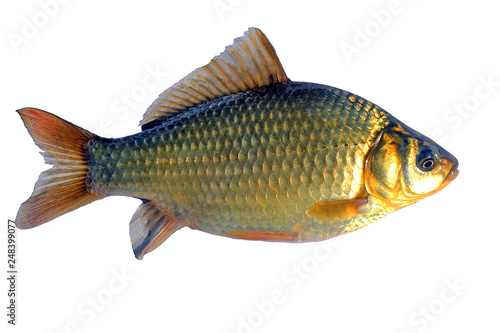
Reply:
x=237, y=149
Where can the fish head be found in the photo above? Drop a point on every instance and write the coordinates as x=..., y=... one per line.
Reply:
x=404, y=166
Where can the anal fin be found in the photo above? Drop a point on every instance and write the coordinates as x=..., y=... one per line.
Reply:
x=263, y=236
x=150, y=227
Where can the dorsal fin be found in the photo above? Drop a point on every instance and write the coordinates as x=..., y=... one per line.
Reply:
x=251, y=62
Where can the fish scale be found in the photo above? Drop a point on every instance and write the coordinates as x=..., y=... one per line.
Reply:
x=248, y=161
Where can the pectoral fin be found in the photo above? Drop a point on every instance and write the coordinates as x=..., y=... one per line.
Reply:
x=149, y=227
x=338, y=210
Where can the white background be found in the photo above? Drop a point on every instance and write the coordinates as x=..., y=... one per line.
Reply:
x=419, y=62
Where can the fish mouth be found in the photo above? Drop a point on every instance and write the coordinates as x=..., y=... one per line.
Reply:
x=452, y=174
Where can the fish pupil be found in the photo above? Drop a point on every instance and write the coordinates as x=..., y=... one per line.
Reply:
x=428, y=163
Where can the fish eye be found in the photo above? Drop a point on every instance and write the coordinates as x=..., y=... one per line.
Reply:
x=426, y=159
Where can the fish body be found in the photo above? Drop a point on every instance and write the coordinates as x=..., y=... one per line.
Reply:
x=244, y=155
x=251, y=161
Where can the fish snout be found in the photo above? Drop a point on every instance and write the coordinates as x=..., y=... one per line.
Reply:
x=451, y=162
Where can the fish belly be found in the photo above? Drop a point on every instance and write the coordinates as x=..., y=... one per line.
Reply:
x=251, y=162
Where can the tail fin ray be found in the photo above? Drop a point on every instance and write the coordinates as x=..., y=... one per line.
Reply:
x=63, y=187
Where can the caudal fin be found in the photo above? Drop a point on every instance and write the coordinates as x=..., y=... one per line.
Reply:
x=61, y=188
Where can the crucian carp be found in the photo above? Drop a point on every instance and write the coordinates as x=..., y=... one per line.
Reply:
x=237, y=149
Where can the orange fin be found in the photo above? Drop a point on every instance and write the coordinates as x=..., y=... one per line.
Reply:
x=337, y=210
x=251, y=62
x=150, y=227
x=263, y=236
x=62, y=188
